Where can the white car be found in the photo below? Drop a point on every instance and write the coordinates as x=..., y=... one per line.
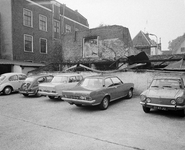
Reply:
x=11, y=82
x=59, y=83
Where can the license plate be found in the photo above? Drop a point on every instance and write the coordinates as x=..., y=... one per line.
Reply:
x=161, y=108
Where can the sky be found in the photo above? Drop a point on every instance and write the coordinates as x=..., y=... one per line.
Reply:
x=163, y=18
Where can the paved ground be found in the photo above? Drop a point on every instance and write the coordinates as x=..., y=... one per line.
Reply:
x=43, y=124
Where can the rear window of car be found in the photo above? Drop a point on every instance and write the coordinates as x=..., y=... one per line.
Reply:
x=92, y=83
x=60, y=79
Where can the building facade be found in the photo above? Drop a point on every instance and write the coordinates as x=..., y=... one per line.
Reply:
x=29, y=28
x=142, y=42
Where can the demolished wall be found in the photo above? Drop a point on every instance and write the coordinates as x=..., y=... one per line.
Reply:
x=109, y=42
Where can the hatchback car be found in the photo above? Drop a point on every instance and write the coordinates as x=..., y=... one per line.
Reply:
x=11, y=82
x=165, y=93
x=59, y=83
x=31, y=85
x=98, y=90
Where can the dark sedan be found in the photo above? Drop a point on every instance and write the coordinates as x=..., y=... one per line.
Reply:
x=98, y=90
x=30, y=85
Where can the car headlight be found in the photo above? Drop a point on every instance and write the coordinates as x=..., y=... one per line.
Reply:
x=173, y=102
x=180, y=100
x=142, y=97
x=148, y=100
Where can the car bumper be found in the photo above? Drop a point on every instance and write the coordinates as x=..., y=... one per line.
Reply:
x=83, y=102
x=169, y=107
x=48, y=94
x=27, y=92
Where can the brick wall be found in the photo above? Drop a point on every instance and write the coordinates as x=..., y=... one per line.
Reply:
x=18, y=30
x=109, y=42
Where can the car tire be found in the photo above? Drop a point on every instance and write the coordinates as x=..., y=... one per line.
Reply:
x=130, y=94
x=26, y=95
x=104, y=103
x=146, y=109
x=7, y=90
x=78, y=105
x=51, y=97
x=181, y=113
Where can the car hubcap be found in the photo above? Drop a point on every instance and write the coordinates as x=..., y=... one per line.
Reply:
x=7, y=91
x=105, y=103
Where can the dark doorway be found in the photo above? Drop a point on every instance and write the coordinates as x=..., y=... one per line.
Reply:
x=5, y=68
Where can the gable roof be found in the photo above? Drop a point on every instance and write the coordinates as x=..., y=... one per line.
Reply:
x=142, y=40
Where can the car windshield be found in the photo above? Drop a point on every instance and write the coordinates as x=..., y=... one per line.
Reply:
x=91, y=83
x=166, y=83
x=2, y=77
x=60, y=79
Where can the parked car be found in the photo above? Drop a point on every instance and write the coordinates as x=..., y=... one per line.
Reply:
x=31, y=85
x=59, y=82
x=11, y=82
x=98, y=90
x=165, y=93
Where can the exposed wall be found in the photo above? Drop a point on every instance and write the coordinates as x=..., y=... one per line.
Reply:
x=6, y=29
x=108, y=42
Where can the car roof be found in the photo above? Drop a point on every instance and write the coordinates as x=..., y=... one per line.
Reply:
x=68, y=74
x=12, y=73
x=101, y=76
x=39, y=75
x=167, y=77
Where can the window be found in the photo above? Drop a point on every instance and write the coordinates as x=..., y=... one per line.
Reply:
x=43, y=46
x=108, y=82
x=116, y=80
x=42, y=23
x=56, y=27
x=27, y=18
x=13, y=78
x=68, y=28
x=28, y=43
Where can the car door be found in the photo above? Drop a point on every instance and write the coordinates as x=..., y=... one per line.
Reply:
x=110, y=88
x=118, y=85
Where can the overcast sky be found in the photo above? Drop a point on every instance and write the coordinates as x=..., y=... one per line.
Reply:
x=164, y=18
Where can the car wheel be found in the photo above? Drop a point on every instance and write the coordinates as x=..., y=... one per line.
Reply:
x=181, y=112
x=7, y=90
x=104, y=103
x=51, y=97
x=146, y=109
x=78, y=105
x=26, y=95
x=37, y=94
x=130, y=94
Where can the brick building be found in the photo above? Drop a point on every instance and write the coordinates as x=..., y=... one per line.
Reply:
x=29, y=28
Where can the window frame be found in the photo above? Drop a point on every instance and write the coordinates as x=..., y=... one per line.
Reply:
x=46, y=45
x=31, y=43
x=56, y=28
x=31, y=18
x=41, y=21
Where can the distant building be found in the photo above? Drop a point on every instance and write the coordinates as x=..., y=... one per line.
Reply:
x=143, y=42
x=179, y=47
x=28, y=28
